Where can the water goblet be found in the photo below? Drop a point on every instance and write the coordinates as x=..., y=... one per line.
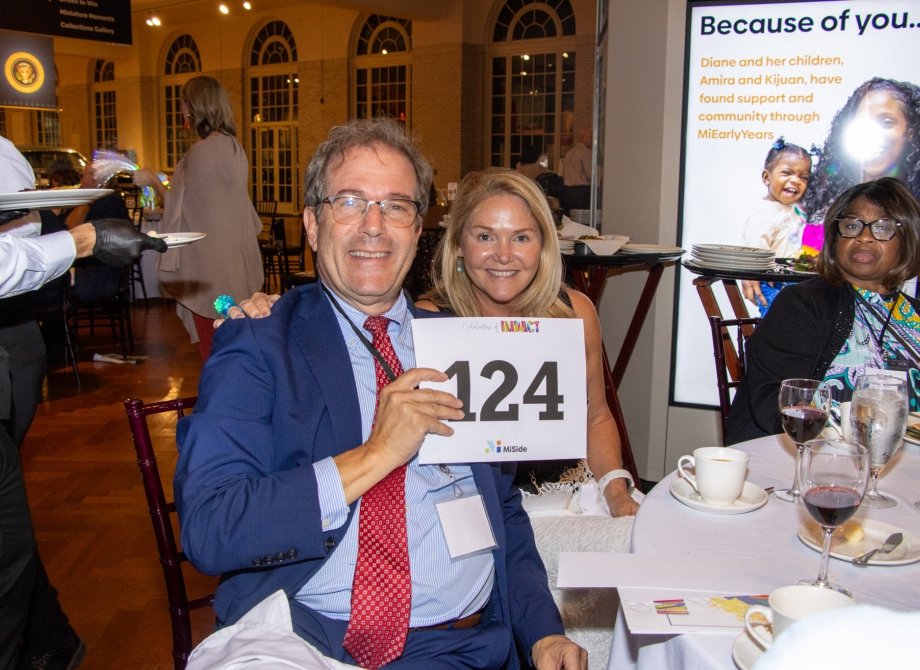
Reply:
x=804, y=405
x=834, y=476
x=878, y=419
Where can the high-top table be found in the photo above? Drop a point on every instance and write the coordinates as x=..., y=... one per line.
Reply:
x=589, y=274
x=768, y=536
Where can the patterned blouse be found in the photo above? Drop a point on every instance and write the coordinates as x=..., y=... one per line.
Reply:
x=862, y=350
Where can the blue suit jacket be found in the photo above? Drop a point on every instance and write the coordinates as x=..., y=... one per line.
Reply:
x=277, y=395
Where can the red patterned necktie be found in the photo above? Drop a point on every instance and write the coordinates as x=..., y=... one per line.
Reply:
x=381, y=595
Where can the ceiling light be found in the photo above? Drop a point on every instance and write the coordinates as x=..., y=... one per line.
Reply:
x=247, y=5
x=565, y=54
x=383, y=51
x=153, y=19
x=525, y=57
x=156, y=20
x=224, y=9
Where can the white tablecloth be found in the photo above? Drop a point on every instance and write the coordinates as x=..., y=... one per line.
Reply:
x=666, y=526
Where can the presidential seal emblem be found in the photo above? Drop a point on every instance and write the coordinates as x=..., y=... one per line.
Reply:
x=24, y=72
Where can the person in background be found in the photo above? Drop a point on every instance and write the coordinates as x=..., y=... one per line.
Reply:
x=500, y=257
x=576, y=171
x=32, y=625
x=529, y=164
x=208, y=194
x=850, y=318
x=777, y=222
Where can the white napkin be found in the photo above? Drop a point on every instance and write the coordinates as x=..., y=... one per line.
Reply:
x=263, y=638
x=572, y=231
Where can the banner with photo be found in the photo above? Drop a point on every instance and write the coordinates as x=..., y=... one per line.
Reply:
x=28, y=78
x=840, y=80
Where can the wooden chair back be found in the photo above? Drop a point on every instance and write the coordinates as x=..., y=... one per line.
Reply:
x=729, y=366
x=171, y=558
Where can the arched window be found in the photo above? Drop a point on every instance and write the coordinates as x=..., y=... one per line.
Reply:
x=532, y=73
x=183, y=60
x=105, y=71
x=273, y=104
x=532, y=19
x=383, y=68
x=183, y=56
x=274, y=44
x=105, y=115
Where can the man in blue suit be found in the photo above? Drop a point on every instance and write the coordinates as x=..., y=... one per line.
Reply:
x=299, y=470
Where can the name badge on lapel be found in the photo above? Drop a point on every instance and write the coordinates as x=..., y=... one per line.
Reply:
x=466, y=526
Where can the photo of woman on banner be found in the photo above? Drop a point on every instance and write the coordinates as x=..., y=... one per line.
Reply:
x=875, y=134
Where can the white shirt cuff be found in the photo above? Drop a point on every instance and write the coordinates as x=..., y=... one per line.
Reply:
x=331, y=494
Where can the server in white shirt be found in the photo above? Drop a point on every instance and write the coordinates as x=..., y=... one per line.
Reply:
x=29, y=608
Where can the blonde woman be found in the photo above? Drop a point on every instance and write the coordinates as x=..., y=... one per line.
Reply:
x=500, y=258
x=208, y=194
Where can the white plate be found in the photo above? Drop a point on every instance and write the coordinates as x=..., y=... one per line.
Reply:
x=752, y=497
x=48, y=199
x=876, y=533
x=726, y=248
x=746, y=652
x=633, y=248
x=739, y=267
x=178, y=240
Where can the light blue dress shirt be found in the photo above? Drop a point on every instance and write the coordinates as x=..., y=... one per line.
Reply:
x=442, y=588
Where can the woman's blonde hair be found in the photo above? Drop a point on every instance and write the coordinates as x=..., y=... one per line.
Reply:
x=454, y=291
x=209, y=107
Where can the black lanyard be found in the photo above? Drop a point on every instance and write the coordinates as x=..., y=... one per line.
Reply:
x=880, y=338
x=370, y=347
x=911, y=352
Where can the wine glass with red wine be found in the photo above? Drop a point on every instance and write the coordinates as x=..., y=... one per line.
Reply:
x=804, y=405
x=834, y=476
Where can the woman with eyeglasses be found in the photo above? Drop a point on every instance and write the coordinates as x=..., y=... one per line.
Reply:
x=850, y=318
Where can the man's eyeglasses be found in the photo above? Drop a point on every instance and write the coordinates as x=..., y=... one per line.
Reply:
x=881, y=229
x=350, y=210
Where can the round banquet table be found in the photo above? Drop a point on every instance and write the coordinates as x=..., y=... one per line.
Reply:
x=666, y=526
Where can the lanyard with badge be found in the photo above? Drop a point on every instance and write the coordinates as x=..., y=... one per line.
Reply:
x=464, y=520
x=892, y=360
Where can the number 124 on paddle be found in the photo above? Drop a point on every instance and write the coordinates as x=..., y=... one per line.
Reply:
x=523, y=385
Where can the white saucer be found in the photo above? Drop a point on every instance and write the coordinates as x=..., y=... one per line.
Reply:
x=178, y=240
x=876, y=533
x=746, y=652
x=752, y=497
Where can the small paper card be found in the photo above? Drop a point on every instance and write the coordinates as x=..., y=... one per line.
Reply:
x=466, y=526
x=523, y=383
x=657, y=611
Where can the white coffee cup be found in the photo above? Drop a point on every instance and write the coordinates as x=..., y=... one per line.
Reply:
x=789, y=604
x=720, y=473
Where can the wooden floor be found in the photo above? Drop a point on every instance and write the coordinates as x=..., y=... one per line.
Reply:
x=88, y=505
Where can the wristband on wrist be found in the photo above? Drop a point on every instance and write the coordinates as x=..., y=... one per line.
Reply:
x=615, y=474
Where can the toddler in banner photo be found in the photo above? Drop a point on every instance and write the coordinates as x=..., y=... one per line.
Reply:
x=777, y=222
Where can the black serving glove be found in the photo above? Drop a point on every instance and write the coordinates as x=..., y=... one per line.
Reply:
x=9, y=215
x=119, y=243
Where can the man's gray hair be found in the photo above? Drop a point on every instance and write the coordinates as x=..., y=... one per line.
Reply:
x=372, y=133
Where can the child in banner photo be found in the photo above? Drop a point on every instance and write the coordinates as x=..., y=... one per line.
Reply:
x=777, y=222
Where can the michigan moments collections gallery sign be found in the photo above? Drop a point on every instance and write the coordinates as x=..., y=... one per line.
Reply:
x=100, y=20
x=28, y=78
x=842, y=76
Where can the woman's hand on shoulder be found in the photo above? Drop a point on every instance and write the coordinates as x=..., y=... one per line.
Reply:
x=256, y=307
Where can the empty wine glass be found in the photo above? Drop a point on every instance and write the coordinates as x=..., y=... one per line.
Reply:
x=834, y=475
x=878, y=419
x=804, y=405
